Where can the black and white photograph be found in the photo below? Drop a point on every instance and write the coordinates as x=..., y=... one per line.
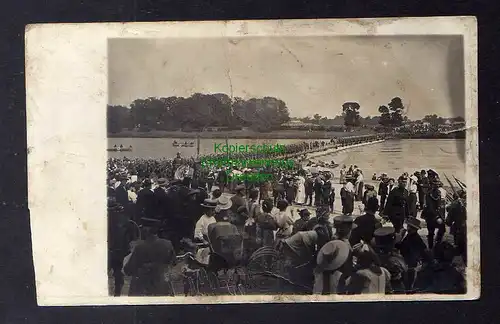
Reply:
x=365, y=193
x=311, y=166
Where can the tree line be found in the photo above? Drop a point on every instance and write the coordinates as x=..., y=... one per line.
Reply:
x=201, y=111
x=198, y=112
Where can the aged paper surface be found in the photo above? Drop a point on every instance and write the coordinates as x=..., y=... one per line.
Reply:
x=67, y=91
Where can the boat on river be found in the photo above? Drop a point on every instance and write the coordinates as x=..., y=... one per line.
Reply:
x=120, y=149
x=181, y=144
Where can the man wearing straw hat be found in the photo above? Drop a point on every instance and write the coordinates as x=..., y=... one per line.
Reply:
x=208, y=217
x=328, y=274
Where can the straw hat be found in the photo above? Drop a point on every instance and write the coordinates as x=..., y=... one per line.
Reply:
x=224, y=203
x=333, y=255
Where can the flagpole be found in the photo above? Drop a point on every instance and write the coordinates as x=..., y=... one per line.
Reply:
x=198, y=146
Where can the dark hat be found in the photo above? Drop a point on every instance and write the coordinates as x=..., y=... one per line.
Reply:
x=384, y=236
x=372, y=204
x=282, y=204
x=146, y=183
x=162, y=182
x=239, y=188
x=403, y=178
x=175, y=181
x=209, y=203
x=369, y=186
x=267, y=204
x=242, y=209
x=304, y=212
x=150, y=222
x=121, y=177
x=344, y=220
x=413, y=222
x=193, y=192
x=322, y=211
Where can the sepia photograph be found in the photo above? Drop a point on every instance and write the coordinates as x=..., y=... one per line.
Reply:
x=364, y=194
x=262, y=163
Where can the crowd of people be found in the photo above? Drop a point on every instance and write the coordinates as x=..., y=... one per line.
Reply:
x=351, y=255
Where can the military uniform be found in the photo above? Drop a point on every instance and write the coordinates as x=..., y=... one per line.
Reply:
x=433, y=216
x=457, y=216
x=396, y=207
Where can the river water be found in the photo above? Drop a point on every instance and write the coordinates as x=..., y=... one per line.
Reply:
x=394, y=157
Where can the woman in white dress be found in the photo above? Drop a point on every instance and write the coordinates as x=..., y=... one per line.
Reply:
x=301, y=190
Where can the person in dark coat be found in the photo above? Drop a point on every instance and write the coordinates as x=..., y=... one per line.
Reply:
x=308, y=188
x=238, y=199
x=117, y=242
x=121, y=193
x=347, y=197
x=301, y=224
x=433, y=215
x=222, y=179
x=146, y=205
x=457, y=220
x=397, y=204
x=443, y=277
x=161, y=199
x=414, y=251
x=383, y=190
x=422, y=188
x=326, y=190
x=366, y=224
x=369, y=193
x=318, y=184
x=384, y=243
x=291, y=191
x=150, y=263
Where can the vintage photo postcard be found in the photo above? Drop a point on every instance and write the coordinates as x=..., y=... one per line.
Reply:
x=254, y=161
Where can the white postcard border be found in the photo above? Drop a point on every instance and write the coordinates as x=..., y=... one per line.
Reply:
x=66, y=80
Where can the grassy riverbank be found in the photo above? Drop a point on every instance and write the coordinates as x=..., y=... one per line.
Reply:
x=243, y=134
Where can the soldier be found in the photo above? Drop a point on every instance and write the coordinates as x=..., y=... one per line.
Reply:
x=396, y=207
x=308, y=188
x=414, y=251
x=423, y=188
x=456, y=219
x=432, y=214
x=390, y=258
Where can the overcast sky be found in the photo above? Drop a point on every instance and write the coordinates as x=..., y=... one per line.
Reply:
x=311, y=74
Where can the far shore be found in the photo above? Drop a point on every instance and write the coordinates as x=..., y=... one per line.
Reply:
x=242, y=134
x=281, y=134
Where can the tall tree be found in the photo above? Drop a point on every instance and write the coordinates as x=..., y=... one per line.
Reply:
x=397, y=109
x=351, y=114
x=392, y=114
